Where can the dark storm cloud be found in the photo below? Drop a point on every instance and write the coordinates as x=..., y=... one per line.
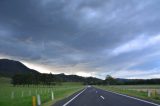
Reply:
x=94, y=35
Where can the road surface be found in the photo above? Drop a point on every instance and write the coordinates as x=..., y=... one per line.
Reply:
x=91, y=96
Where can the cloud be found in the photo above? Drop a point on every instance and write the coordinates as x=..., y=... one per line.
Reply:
x=98, y=37
x=154, y=73
x=138, y=43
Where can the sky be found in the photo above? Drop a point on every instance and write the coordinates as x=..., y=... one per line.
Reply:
x=83, y=37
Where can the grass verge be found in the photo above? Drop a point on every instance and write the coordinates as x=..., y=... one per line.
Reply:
x=22, y=96
x=138, y=94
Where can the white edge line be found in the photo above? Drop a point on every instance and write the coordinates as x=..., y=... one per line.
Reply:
x=74, y=98
x=134, y=98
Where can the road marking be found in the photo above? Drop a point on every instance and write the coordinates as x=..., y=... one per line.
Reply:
x=102, y=97
x=134, y=98
x=88, y=86
x=74, y=97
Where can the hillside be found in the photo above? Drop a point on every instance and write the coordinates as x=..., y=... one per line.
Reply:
x=9, y=68
x=76, y=78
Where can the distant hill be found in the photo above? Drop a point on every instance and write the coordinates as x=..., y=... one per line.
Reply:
x=68, y=78
x=76, y=78
x=9, y=68
x=122, y=79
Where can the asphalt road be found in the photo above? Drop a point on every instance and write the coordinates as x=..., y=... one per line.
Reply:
x=91, y=96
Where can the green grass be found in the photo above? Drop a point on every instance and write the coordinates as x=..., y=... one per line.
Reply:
x=138, y=86
x=131, y=91
x=60, y=92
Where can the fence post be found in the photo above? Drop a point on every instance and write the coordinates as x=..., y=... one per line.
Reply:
x=41, y=91
x=30, y=93
x=52, y=95
x=154, y=93
x=38, y=100
x=22, y=94
x=12, y=95
x=36, y=91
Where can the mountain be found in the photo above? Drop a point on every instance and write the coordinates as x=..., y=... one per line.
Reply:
x=122, y=80
x=76, y=78
x=9, y=68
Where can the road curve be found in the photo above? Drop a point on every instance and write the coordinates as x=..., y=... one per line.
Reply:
x=91, y=96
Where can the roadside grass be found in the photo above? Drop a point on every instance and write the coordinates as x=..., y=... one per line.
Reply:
x=22, y=96
x=62, y=95
x=138, y=86
x=130, y=90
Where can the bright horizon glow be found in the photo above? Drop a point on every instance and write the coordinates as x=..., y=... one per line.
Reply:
x=36, y=67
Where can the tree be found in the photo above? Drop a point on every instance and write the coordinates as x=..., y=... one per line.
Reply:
x=110, y=80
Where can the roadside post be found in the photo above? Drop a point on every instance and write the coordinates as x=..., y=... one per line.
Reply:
x=38, y=100
x=149, y=92
x=33, y=101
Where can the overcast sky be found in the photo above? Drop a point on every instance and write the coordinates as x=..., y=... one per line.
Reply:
x=83, y=37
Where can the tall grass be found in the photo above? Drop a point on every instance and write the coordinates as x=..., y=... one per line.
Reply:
x=22, y=96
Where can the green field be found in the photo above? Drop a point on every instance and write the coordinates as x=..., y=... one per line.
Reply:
x=22, y=96
x=139, y=91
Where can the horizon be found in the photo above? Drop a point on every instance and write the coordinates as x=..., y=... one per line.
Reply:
x=32, y=67
x=85, y=38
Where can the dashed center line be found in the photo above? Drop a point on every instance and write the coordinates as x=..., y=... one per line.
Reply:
x=102, y=97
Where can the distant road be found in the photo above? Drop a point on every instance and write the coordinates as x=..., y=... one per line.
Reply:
x=96, y=97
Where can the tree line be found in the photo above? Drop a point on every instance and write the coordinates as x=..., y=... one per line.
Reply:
x=117, y=81
x=52, y=79
x=34, y=79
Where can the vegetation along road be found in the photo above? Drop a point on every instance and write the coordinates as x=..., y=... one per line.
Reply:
x=92, y=96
